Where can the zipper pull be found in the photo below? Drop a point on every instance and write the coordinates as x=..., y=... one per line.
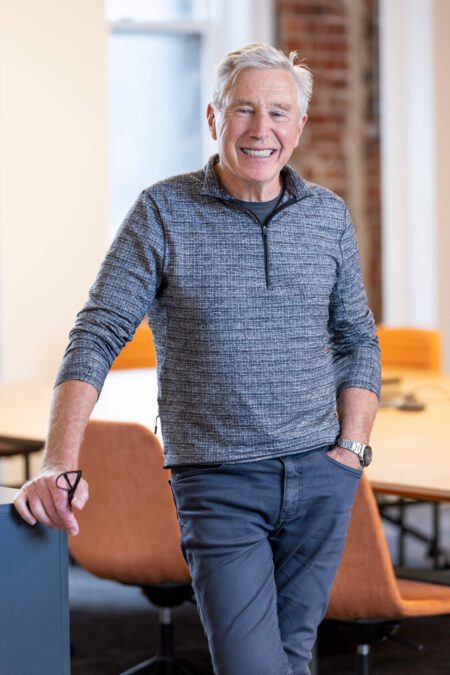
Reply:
x=156, y=425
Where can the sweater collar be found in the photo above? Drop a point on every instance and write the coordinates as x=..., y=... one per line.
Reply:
x=212, y=187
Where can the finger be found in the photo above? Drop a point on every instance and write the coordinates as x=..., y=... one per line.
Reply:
x=81, y=495
x=51, y=507
x=61, y=502
x=36, y=506
x=21, y=506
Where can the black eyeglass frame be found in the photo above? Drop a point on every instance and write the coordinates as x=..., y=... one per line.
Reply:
x=70, y=486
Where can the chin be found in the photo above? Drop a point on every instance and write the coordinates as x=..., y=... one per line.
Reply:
x=259, y=177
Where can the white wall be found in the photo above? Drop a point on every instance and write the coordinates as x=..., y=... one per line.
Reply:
x=53, y=175
x=414, y=56
x=441, y=23
x=408, y=163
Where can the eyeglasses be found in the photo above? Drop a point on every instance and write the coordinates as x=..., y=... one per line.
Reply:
x=71, y=478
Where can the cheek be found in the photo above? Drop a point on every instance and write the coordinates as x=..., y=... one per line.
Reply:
x=230, y=134
x=288, y=137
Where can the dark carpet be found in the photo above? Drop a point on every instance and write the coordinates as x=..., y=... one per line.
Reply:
x=114, y=627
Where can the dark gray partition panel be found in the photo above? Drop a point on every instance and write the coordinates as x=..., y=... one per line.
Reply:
x=34, y=607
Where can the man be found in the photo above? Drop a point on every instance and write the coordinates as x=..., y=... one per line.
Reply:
x=266, y=355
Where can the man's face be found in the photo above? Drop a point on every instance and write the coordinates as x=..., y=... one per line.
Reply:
x=256, y=130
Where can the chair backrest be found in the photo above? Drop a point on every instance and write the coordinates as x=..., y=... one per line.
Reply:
x=139, y=352
x=409, y=348
x=365, y=585
x=128, y=529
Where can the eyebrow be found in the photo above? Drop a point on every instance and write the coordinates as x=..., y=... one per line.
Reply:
x=283, y=106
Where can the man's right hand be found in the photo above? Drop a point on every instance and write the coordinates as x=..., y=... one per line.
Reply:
x=40, y=500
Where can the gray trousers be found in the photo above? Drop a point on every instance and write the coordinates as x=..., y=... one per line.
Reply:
x=263, y=540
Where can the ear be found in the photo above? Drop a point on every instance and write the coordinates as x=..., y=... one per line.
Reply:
x=301, y=126
x=211, y=117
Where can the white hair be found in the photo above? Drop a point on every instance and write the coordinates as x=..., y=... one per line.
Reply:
x=264, y=56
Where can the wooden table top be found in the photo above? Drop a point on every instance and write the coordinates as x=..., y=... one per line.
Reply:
x=6, y=497
x=411, y=449
x=127, y=395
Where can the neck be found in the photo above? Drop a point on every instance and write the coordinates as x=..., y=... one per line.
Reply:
x=248, y=192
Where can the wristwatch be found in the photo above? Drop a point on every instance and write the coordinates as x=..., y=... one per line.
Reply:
x=363, y=450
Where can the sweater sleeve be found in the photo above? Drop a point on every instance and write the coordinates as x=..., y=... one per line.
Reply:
x=354, y=345
x=127, y=282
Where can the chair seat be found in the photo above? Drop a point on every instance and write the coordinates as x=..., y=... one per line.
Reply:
x=411, y=598
x=421, y=599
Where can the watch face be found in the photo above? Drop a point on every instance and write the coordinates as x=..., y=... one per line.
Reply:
x=367, y=455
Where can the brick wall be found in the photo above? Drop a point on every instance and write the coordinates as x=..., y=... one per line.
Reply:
x=340, y=145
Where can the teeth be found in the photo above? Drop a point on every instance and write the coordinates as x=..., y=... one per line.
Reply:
x=257, y=153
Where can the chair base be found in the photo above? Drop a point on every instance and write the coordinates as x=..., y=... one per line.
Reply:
x=365, y=631
x=165, y=596
x=160, y=665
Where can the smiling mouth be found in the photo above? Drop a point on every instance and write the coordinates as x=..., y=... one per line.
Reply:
x=251, y=152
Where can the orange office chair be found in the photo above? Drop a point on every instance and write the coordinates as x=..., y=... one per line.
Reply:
x=367, y=601
x=139, y=352
x=128, y=529
x=409, y=348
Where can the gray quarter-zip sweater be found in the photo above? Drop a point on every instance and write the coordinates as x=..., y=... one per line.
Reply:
x=256, y=327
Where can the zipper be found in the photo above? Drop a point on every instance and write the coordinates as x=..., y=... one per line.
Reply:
x=266, y=252
x=264, y=227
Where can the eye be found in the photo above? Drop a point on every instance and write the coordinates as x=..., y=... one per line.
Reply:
x=244, y=111
x=277, y=114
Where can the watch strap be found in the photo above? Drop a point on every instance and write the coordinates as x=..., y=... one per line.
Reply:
x=363, y=450
x=354, y=446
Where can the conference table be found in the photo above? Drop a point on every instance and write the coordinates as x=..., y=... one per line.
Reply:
x=411, y=447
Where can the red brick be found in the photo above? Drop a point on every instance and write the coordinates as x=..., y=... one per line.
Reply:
x=323, y=31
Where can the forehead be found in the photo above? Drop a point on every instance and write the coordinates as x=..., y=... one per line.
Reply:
x=268, y=85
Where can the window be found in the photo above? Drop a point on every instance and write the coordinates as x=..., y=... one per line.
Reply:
x=156, y=10
x=154, y=112
x=161, y=57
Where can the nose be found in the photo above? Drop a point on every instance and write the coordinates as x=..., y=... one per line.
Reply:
x=260, y=124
